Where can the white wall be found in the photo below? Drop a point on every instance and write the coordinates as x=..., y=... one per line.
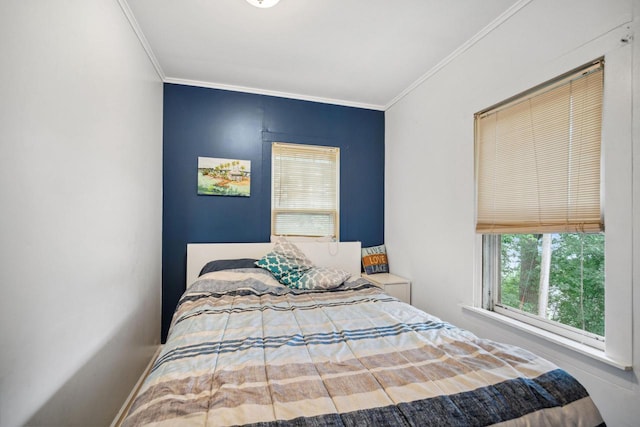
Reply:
x=80, y=216
x=429, y=189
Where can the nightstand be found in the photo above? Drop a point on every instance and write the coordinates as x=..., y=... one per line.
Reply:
x=395, y=286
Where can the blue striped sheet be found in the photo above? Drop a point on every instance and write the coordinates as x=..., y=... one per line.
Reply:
x=484, y=406
x=262, y=307
x=295, y=340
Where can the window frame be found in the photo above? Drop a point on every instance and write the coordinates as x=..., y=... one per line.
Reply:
x=617, y=172
x=334, y=213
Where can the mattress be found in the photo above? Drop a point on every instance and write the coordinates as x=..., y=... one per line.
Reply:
x=245, y=350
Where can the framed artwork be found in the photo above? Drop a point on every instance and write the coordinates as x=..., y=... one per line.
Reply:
x=224, y=177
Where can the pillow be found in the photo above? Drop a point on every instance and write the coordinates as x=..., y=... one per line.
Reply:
x=286, y=262
x=374, y=260
x=227, y=264
x=322, y=278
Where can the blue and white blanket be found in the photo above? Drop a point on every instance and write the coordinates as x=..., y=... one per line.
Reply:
x=245, y=350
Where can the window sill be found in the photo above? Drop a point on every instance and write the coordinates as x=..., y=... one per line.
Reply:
x=586, y=350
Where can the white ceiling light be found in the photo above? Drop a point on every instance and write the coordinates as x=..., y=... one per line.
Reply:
x=263, y=3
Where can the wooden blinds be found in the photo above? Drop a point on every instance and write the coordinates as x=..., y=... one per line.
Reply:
x=538, y=158
x=305, y=190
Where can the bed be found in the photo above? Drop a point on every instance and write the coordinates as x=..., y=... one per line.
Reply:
x=246, y=349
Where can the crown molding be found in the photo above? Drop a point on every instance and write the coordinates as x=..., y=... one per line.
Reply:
x=278, y=94
x=449, y=58
x=460, y=50
x=143, y=40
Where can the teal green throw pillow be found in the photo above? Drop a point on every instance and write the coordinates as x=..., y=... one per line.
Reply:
x=286, y=262
x=284, y=269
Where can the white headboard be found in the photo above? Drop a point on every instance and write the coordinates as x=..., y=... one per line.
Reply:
x=343, y=255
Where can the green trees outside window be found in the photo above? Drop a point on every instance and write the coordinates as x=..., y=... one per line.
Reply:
x=559, y=277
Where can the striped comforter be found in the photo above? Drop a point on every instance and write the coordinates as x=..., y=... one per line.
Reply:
x=244, y=349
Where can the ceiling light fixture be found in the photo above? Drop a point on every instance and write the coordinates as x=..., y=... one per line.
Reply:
x=263, y=3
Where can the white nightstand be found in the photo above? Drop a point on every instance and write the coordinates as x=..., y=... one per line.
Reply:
x=395, y=286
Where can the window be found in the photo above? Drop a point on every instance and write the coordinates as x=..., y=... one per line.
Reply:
x=539, y=209
x=305, y=190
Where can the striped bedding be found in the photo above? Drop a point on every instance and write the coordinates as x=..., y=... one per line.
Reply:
x=245, y=350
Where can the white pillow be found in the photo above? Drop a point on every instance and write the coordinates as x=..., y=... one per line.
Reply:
x=322, y=278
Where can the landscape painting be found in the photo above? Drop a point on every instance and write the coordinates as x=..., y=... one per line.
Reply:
x=224, y=177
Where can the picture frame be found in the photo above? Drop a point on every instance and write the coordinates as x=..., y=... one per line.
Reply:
x=224, y=177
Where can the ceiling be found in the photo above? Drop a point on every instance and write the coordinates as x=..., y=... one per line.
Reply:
x=364, y=53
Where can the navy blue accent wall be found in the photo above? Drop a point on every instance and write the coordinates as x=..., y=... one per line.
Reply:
x=234, y=125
